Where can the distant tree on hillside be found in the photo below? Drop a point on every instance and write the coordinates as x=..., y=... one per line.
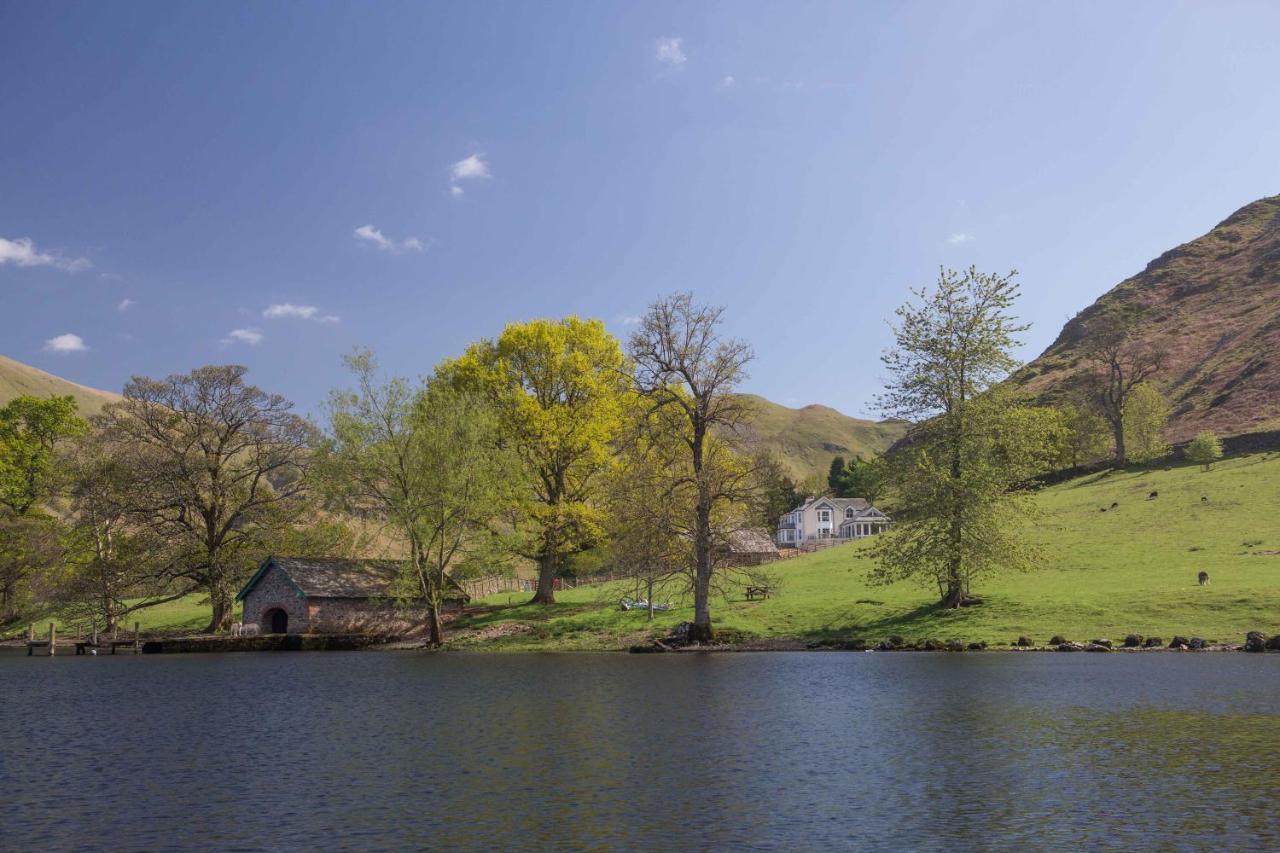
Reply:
x=862, y=478
x=1146, y=412
x=1120, y=364
x=960, y=478
x=835, y=475
x=780, y=494
x=1204, y=449
x=1087, y=437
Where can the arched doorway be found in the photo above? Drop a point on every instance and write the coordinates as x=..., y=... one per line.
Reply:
x=275, y=621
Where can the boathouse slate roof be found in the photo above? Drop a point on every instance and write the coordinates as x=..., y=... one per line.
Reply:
x=332, y=577
x=751, y=542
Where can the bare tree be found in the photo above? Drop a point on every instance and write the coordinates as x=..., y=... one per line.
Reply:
x=688, y=372
x=215, y=465
x=1121, y=363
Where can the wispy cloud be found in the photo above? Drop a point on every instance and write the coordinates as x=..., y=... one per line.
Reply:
x=728, y=82
x=65, y=343
x=669, y=51
x=22, y=252
x=958, y=238
x=110, y=276
x=253, y=337
x=629, y=320
x=125, y=305
x=288, y=310
x=467, y=169
x=370, y=234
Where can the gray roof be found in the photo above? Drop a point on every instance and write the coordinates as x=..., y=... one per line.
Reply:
x=841, y=504
x=336, y=577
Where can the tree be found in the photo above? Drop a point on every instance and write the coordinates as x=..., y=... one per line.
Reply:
x=423, y=461
x=31, y=428
x=960, y=475
x=688, y=373
x=862, y=478
x=1146, y=412
x=1121, y=363
x=835, y=476
x=215, y=465
x=1204, y=449
x=1087, y=438
x=557, y=389
x=779, y=493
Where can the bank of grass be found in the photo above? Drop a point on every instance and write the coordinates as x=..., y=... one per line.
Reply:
x=1130, y=569
x=181, y=616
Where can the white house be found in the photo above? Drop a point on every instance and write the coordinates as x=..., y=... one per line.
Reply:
x=830, y=518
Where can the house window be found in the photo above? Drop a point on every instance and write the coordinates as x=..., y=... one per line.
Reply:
x=848, y=513
x=824, y=515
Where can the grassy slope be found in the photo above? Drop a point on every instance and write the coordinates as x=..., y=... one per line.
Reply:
x=1130, y=569
x=806, y=439
x=18, y=379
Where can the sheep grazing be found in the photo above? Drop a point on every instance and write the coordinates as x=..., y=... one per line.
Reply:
x=1204, y=578
x=1153, y=496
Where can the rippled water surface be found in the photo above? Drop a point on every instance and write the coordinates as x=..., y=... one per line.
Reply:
x=367, y=750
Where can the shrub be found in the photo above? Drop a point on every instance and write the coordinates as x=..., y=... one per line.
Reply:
x=1204, y=450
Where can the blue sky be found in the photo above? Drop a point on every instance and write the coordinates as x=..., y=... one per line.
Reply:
x=171, y=171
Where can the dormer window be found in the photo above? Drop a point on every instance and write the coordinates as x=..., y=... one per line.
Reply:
x=849, y=513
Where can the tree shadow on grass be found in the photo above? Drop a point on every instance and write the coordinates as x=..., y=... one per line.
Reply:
x=912, y=623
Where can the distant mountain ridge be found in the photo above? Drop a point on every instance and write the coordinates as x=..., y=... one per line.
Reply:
x=18, y=379
x=804, y=439
x=1214, y=305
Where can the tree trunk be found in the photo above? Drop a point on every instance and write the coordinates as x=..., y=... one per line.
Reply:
x=700, y=632
x=223, y=609
x=1122, y=455
x=649, y=598
x=435, y=637
x=547, y=567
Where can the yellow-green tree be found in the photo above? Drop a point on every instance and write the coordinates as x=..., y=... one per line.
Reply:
x=557, y=387
x=1145, y=413
x=1205, y=449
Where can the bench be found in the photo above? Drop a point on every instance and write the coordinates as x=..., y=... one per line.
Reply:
x=754, y=592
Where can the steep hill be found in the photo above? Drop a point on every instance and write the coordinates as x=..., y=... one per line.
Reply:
x=18, y=379
x=806, y=439
x=1214, y=305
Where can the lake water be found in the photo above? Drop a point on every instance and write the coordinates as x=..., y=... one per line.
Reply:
x=365, y=750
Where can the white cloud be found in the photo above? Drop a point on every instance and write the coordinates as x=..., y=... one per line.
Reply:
x=957, y=239
x=125, y=305
x=629, y=320
x=467, y=169
x=302, y=312
x=370, y=234
x=669, y=51
x=110, y=276
x=470, y=167
x=253, y=337
x=727, y=82
x=22, y=252
x=65, y=343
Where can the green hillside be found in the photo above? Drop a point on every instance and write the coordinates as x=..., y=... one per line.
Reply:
x=806, y=439
x=18, y=379
x=1131, y=569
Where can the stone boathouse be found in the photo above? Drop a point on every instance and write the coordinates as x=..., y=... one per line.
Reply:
x=330, y=595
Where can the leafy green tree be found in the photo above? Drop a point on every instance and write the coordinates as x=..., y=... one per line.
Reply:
x=32, y=431
x=688, y=372
x=1146, y=412
x=422, y=460
x=959, y=478
x=1087, y=438
x=1204, y=449
x=557, y=387
x=31, y=428
x=781, y=494
x=216, y=466
x=863, y=478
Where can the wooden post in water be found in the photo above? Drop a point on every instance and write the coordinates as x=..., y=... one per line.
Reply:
x=53, y=638
x=137, y=636
x=94, y=636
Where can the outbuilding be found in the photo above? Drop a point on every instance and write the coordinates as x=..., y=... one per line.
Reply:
x=332, y=595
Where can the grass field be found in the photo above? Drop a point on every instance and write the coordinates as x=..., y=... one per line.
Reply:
x=1131, y=569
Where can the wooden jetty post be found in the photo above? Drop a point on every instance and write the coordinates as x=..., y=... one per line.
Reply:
x=53, y=639
x=137, y=638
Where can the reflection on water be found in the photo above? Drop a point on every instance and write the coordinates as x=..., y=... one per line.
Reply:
x=389, y=751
